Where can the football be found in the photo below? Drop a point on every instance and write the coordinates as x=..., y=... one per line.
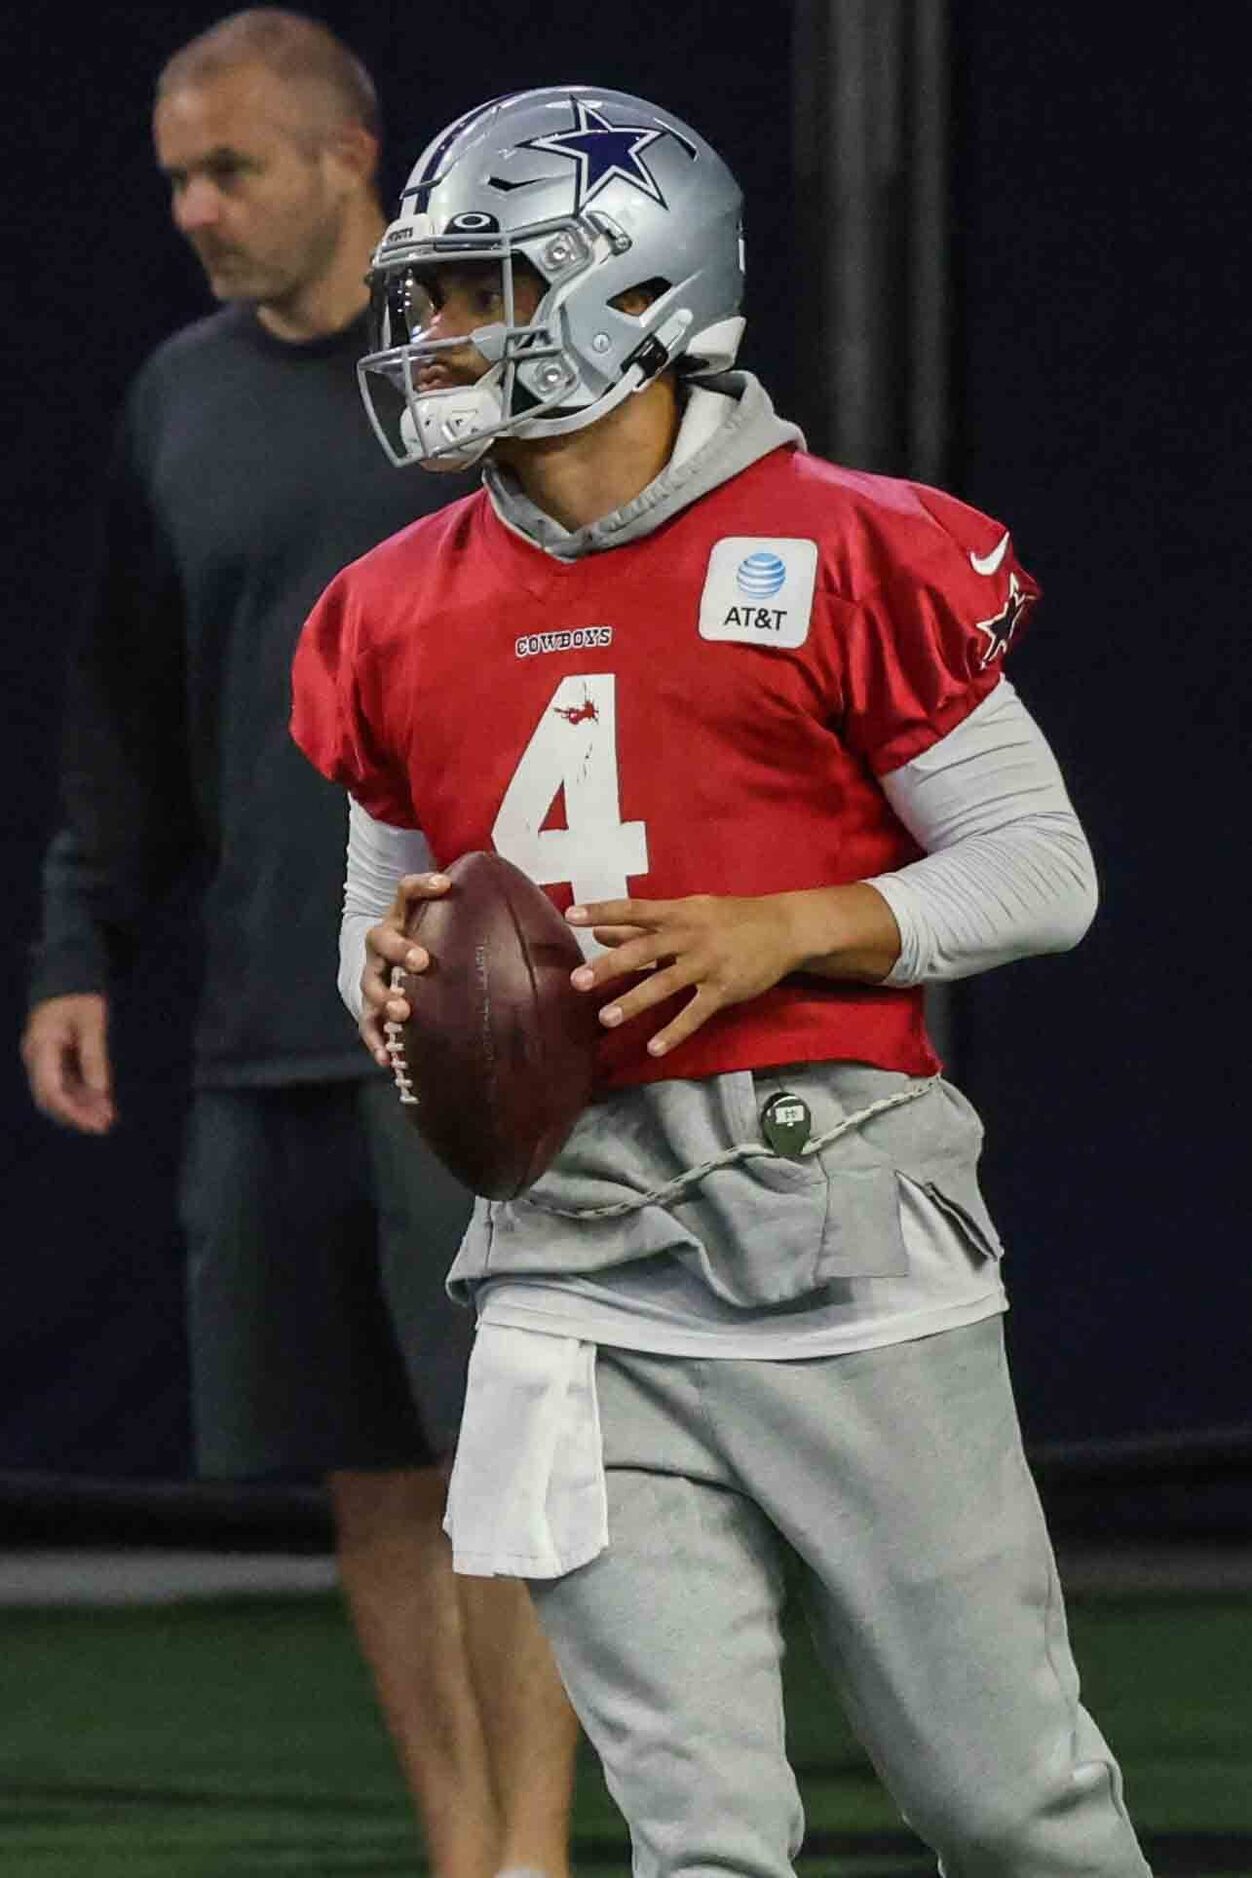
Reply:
x=496, y=1062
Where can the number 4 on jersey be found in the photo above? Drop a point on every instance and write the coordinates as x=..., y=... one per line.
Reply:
x=573, y=749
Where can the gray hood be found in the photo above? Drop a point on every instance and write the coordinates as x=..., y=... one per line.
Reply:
x=728, y=423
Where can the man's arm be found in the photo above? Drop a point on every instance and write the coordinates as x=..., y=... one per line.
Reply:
x=128, y=827
x=1007, y=873
x=379, y=858
x=71, y=954
x=125, y=775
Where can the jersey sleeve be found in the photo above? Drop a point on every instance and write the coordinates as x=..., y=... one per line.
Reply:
x=335, y=718
x=927, y=644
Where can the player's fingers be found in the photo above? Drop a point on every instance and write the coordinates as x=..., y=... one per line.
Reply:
x=389, y=945
x=372, y=1037
x=413, y=887
x=638, y=954
x=375, y=978
x=646, y=914
x=382, y=1006
x=375, y=991
x=615, y=935
x=695, y=1012
x=654, y=990
x=382, y=999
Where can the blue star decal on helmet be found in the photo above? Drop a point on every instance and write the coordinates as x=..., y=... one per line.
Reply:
x=604, y=153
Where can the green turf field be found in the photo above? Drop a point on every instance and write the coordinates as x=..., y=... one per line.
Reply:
x=230, y=1739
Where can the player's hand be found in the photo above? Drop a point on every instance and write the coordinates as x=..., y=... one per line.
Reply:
x=66, y=1052
x=725, y=949
x=385, y=946
x=720, y=948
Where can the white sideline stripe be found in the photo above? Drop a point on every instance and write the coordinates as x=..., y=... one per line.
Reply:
x=36, y=1580
x=45, y=1579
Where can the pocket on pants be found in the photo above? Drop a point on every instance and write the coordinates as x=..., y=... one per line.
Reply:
x=959, y=1199
x=795, y=1226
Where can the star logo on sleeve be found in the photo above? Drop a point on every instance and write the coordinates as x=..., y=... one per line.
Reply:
x=603, y=153
x=1000, y=629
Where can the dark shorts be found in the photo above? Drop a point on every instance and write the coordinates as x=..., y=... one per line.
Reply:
x=319, y=1230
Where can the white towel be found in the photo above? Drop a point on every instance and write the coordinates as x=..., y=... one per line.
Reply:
x=527, y=1496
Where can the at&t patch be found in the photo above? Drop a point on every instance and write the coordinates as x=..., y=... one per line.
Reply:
x=759, y=590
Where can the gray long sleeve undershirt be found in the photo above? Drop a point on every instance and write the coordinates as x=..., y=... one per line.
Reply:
x=1006, y=873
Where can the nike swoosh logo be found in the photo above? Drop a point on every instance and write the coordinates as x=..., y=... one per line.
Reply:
x=988, y=563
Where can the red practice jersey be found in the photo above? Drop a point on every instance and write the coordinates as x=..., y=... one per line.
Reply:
x=704, y=710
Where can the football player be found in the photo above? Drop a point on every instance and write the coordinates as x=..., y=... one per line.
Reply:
x=744, y=714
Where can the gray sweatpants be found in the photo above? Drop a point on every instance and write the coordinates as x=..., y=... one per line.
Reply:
x=897, y=1478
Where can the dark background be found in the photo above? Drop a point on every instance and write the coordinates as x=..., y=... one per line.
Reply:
x=1100, y=383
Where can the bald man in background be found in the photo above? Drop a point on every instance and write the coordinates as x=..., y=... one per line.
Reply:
x=319, y=1230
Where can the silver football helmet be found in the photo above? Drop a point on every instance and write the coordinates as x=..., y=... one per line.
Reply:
x=601, y=194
